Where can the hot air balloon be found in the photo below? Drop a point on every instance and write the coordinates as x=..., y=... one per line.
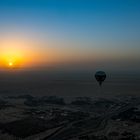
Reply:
x=100, y=76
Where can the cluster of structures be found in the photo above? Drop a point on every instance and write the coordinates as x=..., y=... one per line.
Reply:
x=50, y=118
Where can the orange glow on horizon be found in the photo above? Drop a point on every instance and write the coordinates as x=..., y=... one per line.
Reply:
x=20, y=52
x=17, y=53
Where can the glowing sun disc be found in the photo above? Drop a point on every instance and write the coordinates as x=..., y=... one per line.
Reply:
x=10, y=64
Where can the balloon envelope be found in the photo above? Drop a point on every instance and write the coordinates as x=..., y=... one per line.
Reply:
x=100, y=76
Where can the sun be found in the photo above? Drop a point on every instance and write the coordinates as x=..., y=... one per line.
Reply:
x=11, y=59
x=18, y=52
x=10, y=64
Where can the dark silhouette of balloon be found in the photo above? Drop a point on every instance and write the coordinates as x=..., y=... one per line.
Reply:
x=100, y=76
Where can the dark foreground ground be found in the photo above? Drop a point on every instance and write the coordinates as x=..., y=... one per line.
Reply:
x=27, y=117
x=69, y=106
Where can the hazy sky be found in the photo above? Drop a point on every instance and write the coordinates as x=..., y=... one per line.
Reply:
x=99, y=34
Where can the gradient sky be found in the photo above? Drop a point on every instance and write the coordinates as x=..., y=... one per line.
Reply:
x=99, y=34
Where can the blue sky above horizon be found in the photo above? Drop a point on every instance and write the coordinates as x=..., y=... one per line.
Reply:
x=108, y=30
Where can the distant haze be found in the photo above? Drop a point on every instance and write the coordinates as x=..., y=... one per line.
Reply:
x=68, y=84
